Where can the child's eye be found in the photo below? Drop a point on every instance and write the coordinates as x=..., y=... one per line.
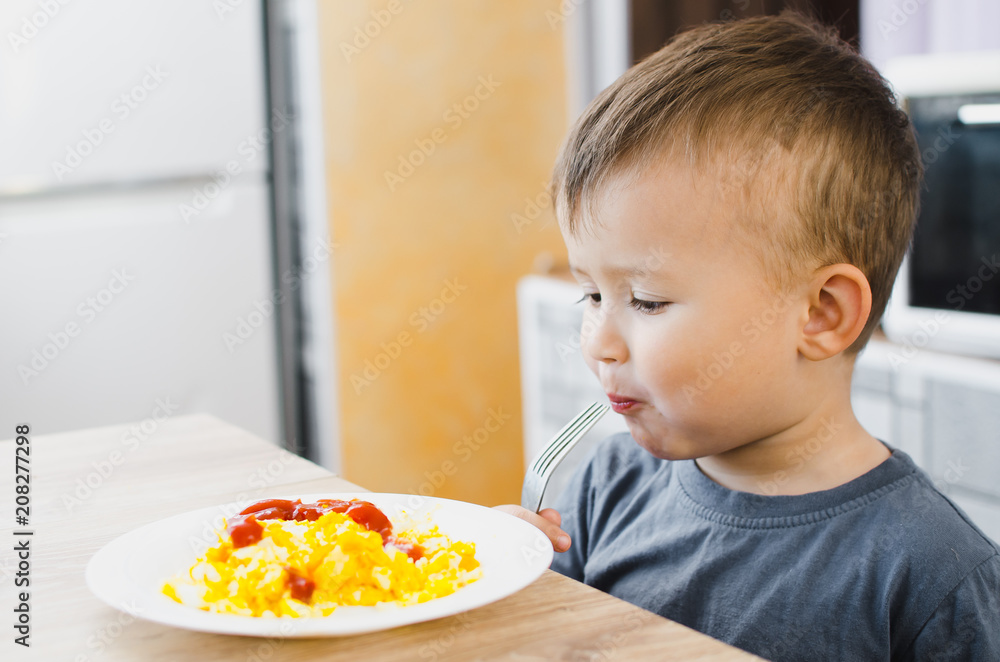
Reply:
x=592, y=298
x=648, y=306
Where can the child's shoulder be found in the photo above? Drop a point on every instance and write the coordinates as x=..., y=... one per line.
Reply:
x=915, y=525
x=912, y=503
x=936, y=566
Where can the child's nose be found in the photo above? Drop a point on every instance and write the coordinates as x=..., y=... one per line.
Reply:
x=601, y=339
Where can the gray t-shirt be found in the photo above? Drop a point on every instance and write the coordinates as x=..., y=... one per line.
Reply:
x=883, y=567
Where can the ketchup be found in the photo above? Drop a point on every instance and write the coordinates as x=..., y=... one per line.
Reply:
x=301, y=588
x=369, y=516
x=245, y=529
x=408, y=547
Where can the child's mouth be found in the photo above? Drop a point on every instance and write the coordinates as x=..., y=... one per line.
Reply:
x=621, y=403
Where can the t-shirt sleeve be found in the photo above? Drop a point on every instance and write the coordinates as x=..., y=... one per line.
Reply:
x=574, y=504
x=966, y=625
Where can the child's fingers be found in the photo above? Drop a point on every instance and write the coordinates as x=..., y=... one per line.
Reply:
x=552, y=515
x=547, y=521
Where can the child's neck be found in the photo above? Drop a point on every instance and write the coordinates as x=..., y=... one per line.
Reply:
x=823, y=451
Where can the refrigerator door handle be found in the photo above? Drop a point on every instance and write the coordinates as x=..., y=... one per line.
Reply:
x=19, y=193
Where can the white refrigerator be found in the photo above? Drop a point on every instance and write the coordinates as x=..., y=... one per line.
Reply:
x=136, y=266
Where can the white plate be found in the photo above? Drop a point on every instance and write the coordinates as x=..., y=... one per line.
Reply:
x=129, y=572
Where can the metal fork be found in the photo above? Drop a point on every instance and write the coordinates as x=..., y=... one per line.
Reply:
x=545, y=463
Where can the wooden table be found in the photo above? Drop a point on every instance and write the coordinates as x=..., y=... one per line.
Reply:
x=91, y=486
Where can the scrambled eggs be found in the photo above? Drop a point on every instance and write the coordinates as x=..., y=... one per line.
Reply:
x=309, y=568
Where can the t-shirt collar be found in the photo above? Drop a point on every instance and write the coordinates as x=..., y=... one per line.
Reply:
x=709, y=494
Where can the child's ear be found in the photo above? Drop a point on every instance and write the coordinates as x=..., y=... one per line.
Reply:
x=840, y=300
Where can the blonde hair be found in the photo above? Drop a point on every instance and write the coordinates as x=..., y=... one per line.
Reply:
x=803, y=127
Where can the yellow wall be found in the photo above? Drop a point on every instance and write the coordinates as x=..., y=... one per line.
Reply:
x=441, y=360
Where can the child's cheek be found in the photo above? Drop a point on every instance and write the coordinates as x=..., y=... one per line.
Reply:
x=592, y=364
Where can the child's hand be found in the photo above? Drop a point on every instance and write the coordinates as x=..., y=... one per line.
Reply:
x=548, y=520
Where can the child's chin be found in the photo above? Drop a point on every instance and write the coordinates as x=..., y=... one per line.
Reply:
x=660, y=445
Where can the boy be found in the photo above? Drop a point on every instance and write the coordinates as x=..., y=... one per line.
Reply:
x=767, y=160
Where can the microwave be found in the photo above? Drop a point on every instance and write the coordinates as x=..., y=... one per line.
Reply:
x=947, y=293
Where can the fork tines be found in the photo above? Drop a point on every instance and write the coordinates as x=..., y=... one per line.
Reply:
x=586, y=418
